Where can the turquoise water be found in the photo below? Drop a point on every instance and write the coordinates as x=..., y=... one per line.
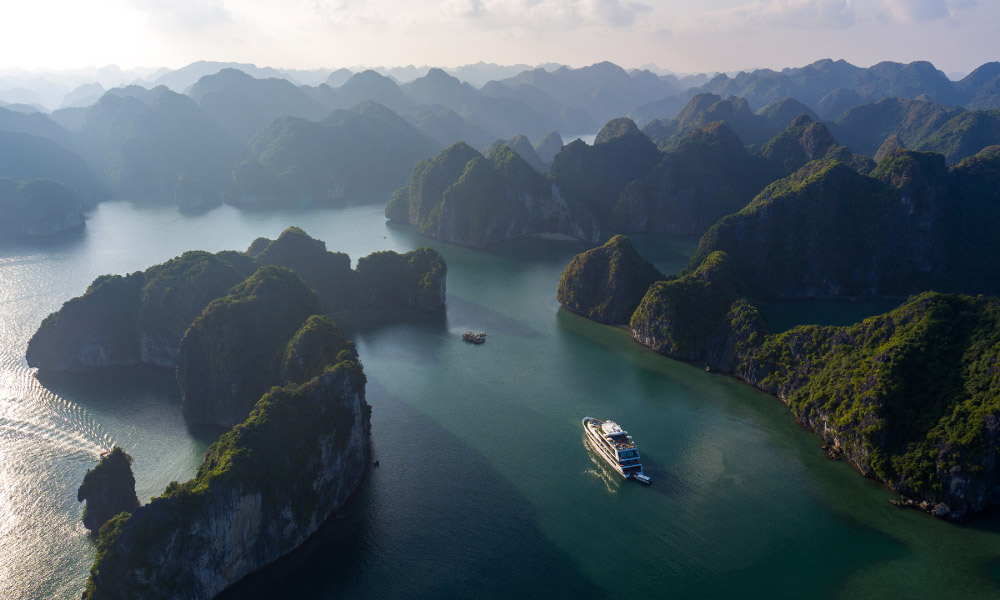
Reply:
x=486, y=487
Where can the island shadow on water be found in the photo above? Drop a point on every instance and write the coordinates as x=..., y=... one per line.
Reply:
x=144, y=397
x=464, y=528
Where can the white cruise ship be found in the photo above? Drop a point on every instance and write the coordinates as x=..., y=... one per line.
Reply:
x=616, y=447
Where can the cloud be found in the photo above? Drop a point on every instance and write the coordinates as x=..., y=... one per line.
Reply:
x=348, y=12
x=614, y=12
x=184, y=15
x=917, y=10
x=910, y=11
x=828, y=14
x=548, y=14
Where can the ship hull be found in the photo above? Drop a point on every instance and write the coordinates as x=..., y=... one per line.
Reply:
x=599, y=446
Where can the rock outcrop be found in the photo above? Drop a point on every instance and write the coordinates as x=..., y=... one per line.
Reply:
x=607, y=283
x=137, y=318
x=827, y=230
x=262, y=489
x=708, y=176
x=463, y=198
x=140, y=318
x=805, y=141
x=232, y=353
x=108, y=489
x=416, y=279
x=328, y=273
x=703, y=315
x=910, y=398
x=38, y=208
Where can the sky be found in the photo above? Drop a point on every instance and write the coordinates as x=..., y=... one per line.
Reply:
x=679, y=35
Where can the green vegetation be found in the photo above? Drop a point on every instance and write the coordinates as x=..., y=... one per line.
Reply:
x=697, y=315
x=911, y=225
x=283, y=452
x=464, y=198
x=708, y=175
x=328, y=273
x=232, y=353
x=317, y=344
x=419, y=201
x=606, y=284
x=804, y=141
x=911, y=397
x=142, y=317
x=913, y=394
x=416, y=278
x=950, y=130
x=964, y=135
x=594, y=176
x=357, y=155
x=108, y=489
x=38, y=207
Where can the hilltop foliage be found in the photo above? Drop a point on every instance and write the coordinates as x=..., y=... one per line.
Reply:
x=606, y=283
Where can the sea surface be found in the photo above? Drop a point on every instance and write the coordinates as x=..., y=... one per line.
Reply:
x=486, y=487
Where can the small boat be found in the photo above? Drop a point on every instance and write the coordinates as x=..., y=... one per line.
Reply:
x=474, y=338
x=616, y=447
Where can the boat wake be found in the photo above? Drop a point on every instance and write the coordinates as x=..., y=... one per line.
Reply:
x=28, y=409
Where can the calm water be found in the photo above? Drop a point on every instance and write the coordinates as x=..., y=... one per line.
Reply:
x=486, y=487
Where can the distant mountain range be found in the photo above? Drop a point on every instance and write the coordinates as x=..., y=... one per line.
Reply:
x=248, y=135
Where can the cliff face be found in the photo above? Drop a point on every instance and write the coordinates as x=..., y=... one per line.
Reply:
x=830, y=231
x=328, y=273
x=263, y=489
x=135, y=319
x=232, y=352
x=701, y=315
x=462, y=198
x=108, y=489
x=606, y=284
x=709, y=175
x=416, y=279
x=38, y=208
x=910, y=398
x=804, y=141
x=141, y=317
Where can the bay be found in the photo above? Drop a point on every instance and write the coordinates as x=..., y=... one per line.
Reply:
x=485, y=486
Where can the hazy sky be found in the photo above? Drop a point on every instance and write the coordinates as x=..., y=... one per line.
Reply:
x=681, y=35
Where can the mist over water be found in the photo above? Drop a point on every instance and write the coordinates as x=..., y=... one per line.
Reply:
x=486, y=486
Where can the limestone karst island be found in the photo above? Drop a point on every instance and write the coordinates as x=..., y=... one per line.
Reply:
x=487, y=299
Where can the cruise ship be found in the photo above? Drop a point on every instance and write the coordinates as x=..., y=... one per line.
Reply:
x=616, y=447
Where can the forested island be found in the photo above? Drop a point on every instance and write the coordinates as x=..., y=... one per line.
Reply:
x=141, y=318
x=908, y=398
x=254, y=353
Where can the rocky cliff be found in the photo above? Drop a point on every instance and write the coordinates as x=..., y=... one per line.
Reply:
x=328, y=273
x=262, y=489
x=463, y=198
x=702, y=315
x=141, y=317
x=805, y=140
x=108, y=489
x=38, y=208
x=137, y=318
x=706, y=177
x=911, y=398
x=232, y=353
x=606, y=284
x=827, y=230
x=415, y=279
